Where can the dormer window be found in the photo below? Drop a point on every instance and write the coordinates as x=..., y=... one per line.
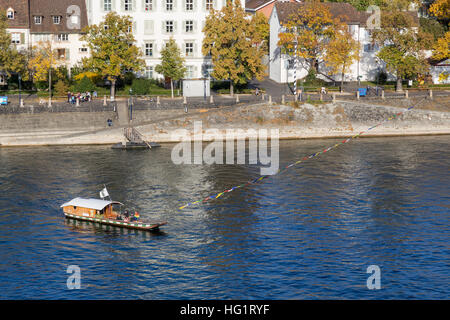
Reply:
x=10, y=13
x=56, y=19
x=37, y=19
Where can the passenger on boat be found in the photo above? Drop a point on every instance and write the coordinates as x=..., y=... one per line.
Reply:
x=136, y=216
x=126, y=216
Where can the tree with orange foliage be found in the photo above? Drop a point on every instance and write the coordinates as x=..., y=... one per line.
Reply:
x=341, y=52
x=311, y=27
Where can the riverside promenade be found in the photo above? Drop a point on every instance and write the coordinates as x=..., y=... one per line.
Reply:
x=339, y=116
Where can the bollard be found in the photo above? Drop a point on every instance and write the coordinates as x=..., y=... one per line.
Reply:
x=270, y=99
x=157, y=100
x=262, y=96
x=211, y=99
x=431, y=94
x=282, y=99
x=104, y=100
x=184, y=100
x=357, y=95
x=21, y=103
x=406, y=94
x=334, y=97
x=382, y=94
x=78, y=102
x=321, y=97
x=49, y=102
x=237, y=98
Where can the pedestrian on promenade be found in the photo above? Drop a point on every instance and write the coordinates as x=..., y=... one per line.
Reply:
x=69, y=97
x=95, y=94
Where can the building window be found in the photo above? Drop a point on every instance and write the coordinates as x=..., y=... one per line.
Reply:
x=190, y=72
x=209, y=4
x=148, y=5
x=10, y=13
x=63, y=37
x=83, y=50
x=189, y=5
x=61, y=53
x=189, y=26
x=371, y=47
x=169, y=26
x=149, y=49
x=189, y=50
x=41, y=37
x=37, y=19
x=15, y=38
x=107, y=5
x=169, y=5
x=56, y=19
x=128, y=6
x=148, y=72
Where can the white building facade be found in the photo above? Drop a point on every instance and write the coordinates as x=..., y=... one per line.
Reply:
x=156, y=21
x=282, y=66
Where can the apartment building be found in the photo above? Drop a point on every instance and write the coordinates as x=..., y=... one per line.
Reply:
x=60, y=23
x=32, y=22
x=18, y=17
x=156, y=21
x=282, y=66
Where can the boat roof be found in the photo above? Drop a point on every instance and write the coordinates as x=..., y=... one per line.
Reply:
x=96, y=204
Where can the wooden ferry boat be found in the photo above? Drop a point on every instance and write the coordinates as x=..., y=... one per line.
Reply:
x=104, y=212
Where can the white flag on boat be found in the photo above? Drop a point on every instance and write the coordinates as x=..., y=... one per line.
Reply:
x=104, y=193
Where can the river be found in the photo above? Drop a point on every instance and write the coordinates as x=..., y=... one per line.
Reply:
x=308, y=233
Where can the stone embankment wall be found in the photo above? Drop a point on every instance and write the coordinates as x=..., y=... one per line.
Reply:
x=343, y=118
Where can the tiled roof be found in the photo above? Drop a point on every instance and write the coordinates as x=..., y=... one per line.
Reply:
x=337, y=9
x=47, y=9
x=255, y=4
x=21, y=17
x=286, y=9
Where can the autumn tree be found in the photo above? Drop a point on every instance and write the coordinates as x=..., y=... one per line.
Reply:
x=172, y=63
x=310, y=27
x=402, y=45
x=441, y=9
x=43, y=61
x=341, y=52
x=11, y=60
x=112, y=48
x=441, y=49
x=233, y=43
x=262, y=30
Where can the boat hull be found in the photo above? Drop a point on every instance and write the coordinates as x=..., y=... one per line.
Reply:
x=117, y=223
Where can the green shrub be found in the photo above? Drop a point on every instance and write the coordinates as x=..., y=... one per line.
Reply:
x=128, y=78
x=84, y=85
x=140, y=87
x=381, y=77
x=61, y=88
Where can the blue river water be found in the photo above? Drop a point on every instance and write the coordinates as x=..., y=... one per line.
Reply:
x=308, y=233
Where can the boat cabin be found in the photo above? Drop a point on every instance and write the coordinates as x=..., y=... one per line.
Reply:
x=92, y=208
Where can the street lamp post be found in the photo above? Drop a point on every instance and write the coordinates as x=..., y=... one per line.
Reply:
x=131, y=105
x=20, y=90
x=379, y=72
x=295, y=63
